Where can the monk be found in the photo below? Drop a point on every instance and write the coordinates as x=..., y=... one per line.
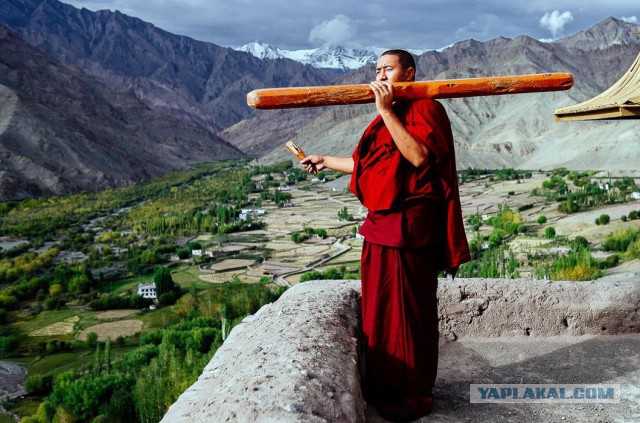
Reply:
x=403, y=170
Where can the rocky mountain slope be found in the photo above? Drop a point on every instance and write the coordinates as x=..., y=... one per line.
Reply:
x=490, y=132
x=67, y=122
x=198, y=82
x=62, y=131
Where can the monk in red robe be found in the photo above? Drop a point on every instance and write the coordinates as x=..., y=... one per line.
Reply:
x=403, y=170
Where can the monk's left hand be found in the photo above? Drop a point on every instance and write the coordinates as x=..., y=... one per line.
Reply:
x=384, y=95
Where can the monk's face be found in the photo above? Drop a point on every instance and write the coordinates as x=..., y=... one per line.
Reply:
x=389, y=68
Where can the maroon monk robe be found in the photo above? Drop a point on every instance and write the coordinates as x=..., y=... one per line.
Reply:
x=414, y=228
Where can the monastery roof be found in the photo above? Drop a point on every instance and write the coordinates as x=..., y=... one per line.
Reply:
x=622, y=100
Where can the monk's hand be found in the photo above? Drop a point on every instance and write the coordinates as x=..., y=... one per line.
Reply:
x=383, y=91
x=313, y=163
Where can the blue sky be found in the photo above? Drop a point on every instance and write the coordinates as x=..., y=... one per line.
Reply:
x=429, y=24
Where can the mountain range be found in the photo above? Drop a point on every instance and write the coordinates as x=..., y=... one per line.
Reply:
x=198, y=82
x=490, y=132
x=62, y=131
x=325, y=57
x=100, y=99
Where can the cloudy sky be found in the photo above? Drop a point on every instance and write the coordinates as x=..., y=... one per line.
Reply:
x=426, y=24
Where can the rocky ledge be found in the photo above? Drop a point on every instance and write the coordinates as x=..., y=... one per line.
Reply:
x=297, y=360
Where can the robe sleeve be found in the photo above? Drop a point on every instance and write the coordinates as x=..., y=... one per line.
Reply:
x=428, y=123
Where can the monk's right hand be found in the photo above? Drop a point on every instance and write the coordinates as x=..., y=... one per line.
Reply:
x=313, y=163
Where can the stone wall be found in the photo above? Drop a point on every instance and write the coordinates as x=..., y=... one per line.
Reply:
x=296, y=360
x=499, y=307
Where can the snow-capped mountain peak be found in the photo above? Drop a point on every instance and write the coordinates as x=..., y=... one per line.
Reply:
x=332, y=57
x=262, y=50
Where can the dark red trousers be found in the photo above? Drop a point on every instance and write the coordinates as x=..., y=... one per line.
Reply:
x=399, y=319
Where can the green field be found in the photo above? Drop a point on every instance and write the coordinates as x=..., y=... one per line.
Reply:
x=128, y=284
x=159, y=318
x=166, y=215
x=58, y=363
x=187, y=276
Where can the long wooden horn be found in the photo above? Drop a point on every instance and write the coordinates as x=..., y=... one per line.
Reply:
x=286, y=98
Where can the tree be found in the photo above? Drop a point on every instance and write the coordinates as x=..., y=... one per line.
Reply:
x=160, y=383
x=194, y=246
x=8, y=345
x=38, y=384
x=149, y=256
x=55, y=289
x=44, y=414
x=183, y=253
x=542, y=219
x=79, y=283
x=97, y=362
x=92, y=339
x=41, y=295
x=163, y=280
x=550, y=232
x=91, y=395
x=568, y=206
x=107, y=355
x=578, y=242
x=54, y=303
x=343, y=214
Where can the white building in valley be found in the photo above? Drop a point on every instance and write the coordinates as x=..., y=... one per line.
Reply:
x=148, y=290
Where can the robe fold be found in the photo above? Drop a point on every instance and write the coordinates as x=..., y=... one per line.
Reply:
x=414, y=228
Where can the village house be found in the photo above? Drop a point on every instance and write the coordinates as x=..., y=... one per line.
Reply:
x=246, y=213
x=147, y=291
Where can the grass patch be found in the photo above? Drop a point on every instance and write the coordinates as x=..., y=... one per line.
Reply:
x=346, y=263
x=80, y=319
x=187, y=276
x=32, y=344
x=19, y=360
x=159, y=318
x=64, y=327
x=124, y=285
x=4, y=418
x=49, y=325
x=57, y=363
x=26, y=324
x=26, y=407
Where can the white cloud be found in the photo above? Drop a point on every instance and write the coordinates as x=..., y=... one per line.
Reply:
x=555, y=21
x=337, y=31
x=630, y=19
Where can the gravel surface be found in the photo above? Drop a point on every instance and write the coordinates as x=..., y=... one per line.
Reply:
x=12, y=377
